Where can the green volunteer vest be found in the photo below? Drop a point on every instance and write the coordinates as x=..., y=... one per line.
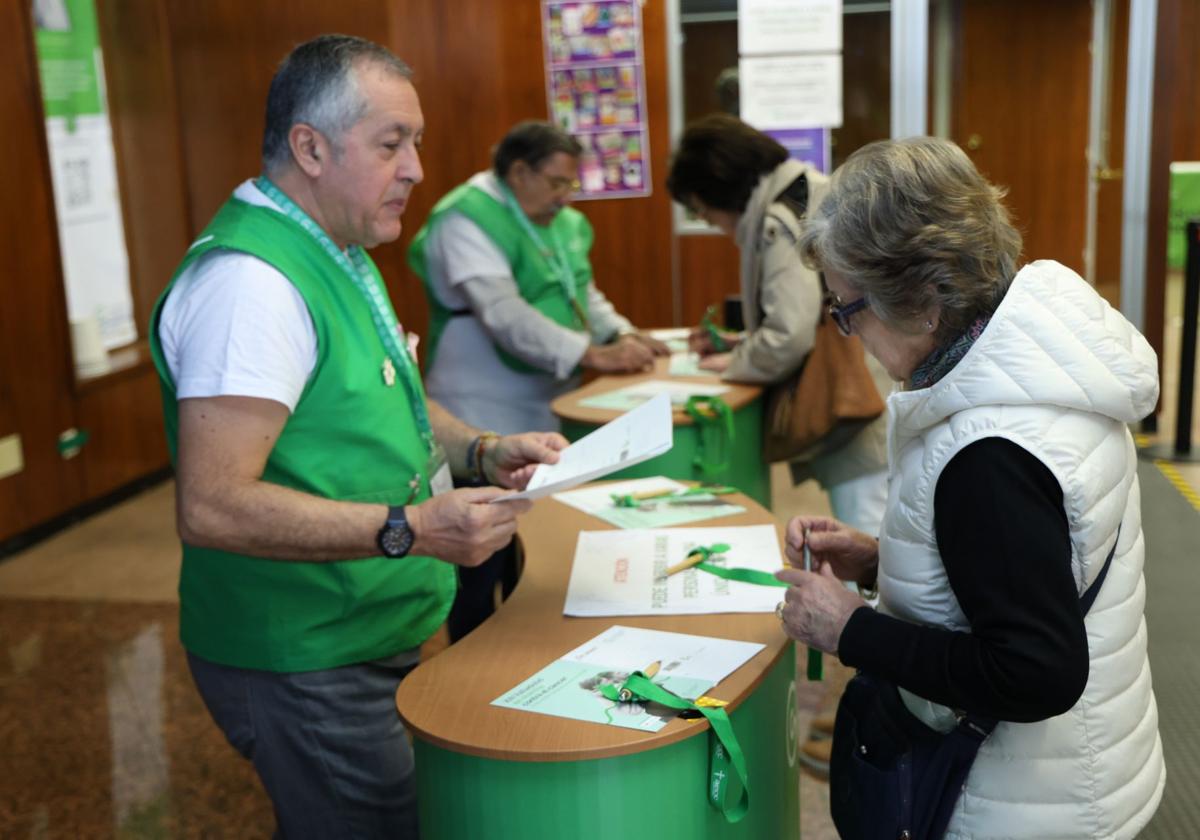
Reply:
x=535, y=275
x=350, y=438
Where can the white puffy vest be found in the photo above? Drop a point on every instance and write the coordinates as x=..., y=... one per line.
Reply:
x=1060, y=373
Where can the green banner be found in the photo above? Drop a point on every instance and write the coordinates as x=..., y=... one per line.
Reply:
x=68, y=48
x=1184, y=206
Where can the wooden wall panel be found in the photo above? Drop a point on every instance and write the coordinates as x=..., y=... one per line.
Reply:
x=123, y=417
x=708, y=271
x=35, y=364
x=1024, y=91
x=140, y=77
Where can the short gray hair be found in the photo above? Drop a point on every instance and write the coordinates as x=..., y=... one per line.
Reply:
x=316, y=85
x=911, y=223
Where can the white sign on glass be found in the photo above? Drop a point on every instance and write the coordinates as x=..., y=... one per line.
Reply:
x=789, y=26
x=798, y=91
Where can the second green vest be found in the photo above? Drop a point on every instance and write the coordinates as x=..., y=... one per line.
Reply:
x=534, y=273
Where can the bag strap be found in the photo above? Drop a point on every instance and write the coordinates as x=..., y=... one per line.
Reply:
x=981, y=727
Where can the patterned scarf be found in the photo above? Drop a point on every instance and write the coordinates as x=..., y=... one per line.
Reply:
x=942, y=360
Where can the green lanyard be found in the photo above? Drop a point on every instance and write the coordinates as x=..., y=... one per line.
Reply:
x=355, y=266
x=553, y=253
x=714, y=424
x=815, y=669
x=725, y=752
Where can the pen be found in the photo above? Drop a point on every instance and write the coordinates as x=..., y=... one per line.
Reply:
x=814, y=655
x=696, y=556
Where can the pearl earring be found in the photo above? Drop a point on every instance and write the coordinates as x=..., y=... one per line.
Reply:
x=929, y=325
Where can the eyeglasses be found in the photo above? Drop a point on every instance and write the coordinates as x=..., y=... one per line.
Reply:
x=842, y=312
x=562, y=185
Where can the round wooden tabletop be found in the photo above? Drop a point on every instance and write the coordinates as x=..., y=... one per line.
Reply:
x=447, y=700
x=567, y=406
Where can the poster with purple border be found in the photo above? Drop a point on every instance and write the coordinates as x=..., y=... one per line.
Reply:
x=595, y=91
x=808, y=145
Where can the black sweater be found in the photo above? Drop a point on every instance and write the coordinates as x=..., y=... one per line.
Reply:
x=1003, y=537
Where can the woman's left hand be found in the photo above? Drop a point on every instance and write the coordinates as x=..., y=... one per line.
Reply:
x=817, y=607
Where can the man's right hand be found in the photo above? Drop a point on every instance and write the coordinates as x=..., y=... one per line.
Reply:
x=623, y=356
x=460, y=527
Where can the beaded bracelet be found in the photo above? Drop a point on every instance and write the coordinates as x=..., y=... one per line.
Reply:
x=475, y=453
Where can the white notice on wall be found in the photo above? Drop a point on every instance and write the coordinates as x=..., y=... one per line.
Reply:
x=791, y=91
x=789, y=26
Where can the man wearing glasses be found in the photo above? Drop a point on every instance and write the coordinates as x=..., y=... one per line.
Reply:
x=514, y=311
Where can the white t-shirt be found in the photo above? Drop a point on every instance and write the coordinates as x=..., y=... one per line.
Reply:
x=234, y=325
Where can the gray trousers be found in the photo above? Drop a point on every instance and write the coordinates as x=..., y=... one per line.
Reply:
x=328, y=745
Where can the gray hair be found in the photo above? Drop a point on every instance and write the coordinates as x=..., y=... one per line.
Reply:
x=911, y=224
x=316, y=85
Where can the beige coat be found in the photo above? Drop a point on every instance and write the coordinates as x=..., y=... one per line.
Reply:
x=781, y=304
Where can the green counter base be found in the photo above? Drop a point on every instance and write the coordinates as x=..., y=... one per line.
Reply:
x=653, y=794
x=746, y=470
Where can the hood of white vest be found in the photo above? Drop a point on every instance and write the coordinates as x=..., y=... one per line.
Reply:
x=1052, y=341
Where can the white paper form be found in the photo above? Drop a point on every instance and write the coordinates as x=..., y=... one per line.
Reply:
x=683, y=664
x=620, y=572
x=789, y=26
x=791, y=91
x=635, y=436
x=687, y=364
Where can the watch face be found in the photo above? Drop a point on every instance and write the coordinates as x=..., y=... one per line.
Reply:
x=395, y=541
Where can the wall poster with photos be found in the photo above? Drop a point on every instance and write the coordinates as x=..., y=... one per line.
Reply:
x=595, y=90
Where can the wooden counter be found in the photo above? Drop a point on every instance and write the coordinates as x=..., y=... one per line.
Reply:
x=567, y=406
x=446, y=701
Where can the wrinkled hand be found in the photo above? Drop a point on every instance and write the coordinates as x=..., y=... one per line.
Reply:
x=851, y=554
x=658, y=348
x=510, y=462
x=717, y=362
x=817, y=607
x=460, y=527
x=626, y=355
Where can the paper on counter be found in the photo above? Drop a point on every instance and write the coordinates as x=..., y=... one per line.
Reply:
x=635, y=436
x=620, y=572
x=638, y=393
x=687, y=364
x=597, y=501
x=570, y=686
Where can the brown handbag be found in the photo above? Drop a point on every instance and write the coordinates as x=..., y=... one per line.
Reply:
x=825, y=403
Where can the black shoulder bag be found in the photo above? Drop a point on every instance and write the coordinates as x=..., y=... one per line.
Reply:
x=891, y=777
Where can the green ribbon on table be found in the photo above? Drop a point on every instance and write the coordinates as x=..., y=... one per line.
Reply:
x=725, y=753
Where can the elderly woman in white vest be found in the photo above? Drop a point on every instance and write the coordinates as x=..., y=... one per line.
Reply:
x=1012, y=481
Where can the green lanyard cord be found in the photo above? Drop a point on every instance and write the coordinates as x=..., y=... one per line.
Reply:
x=714, y=335
x=714, y=422
x=815, y=664
x=725, y=753
x=553, y=253
x=355, y=266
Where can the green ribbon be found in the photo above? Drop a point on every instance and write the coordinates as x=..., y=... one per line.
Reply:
x=725, y=753
x=714, y=423
x=714, y=335
x=815, y=665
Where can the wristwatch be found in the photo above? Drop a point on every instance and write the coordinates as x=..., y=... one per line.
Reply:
x=395, y=538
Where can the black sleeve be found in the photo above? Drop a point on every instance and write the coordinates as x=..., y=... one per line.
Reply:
x=1002, y=534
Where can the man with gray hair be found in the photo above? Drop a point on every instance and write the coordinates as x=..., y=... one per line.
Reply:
x=320, y=530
